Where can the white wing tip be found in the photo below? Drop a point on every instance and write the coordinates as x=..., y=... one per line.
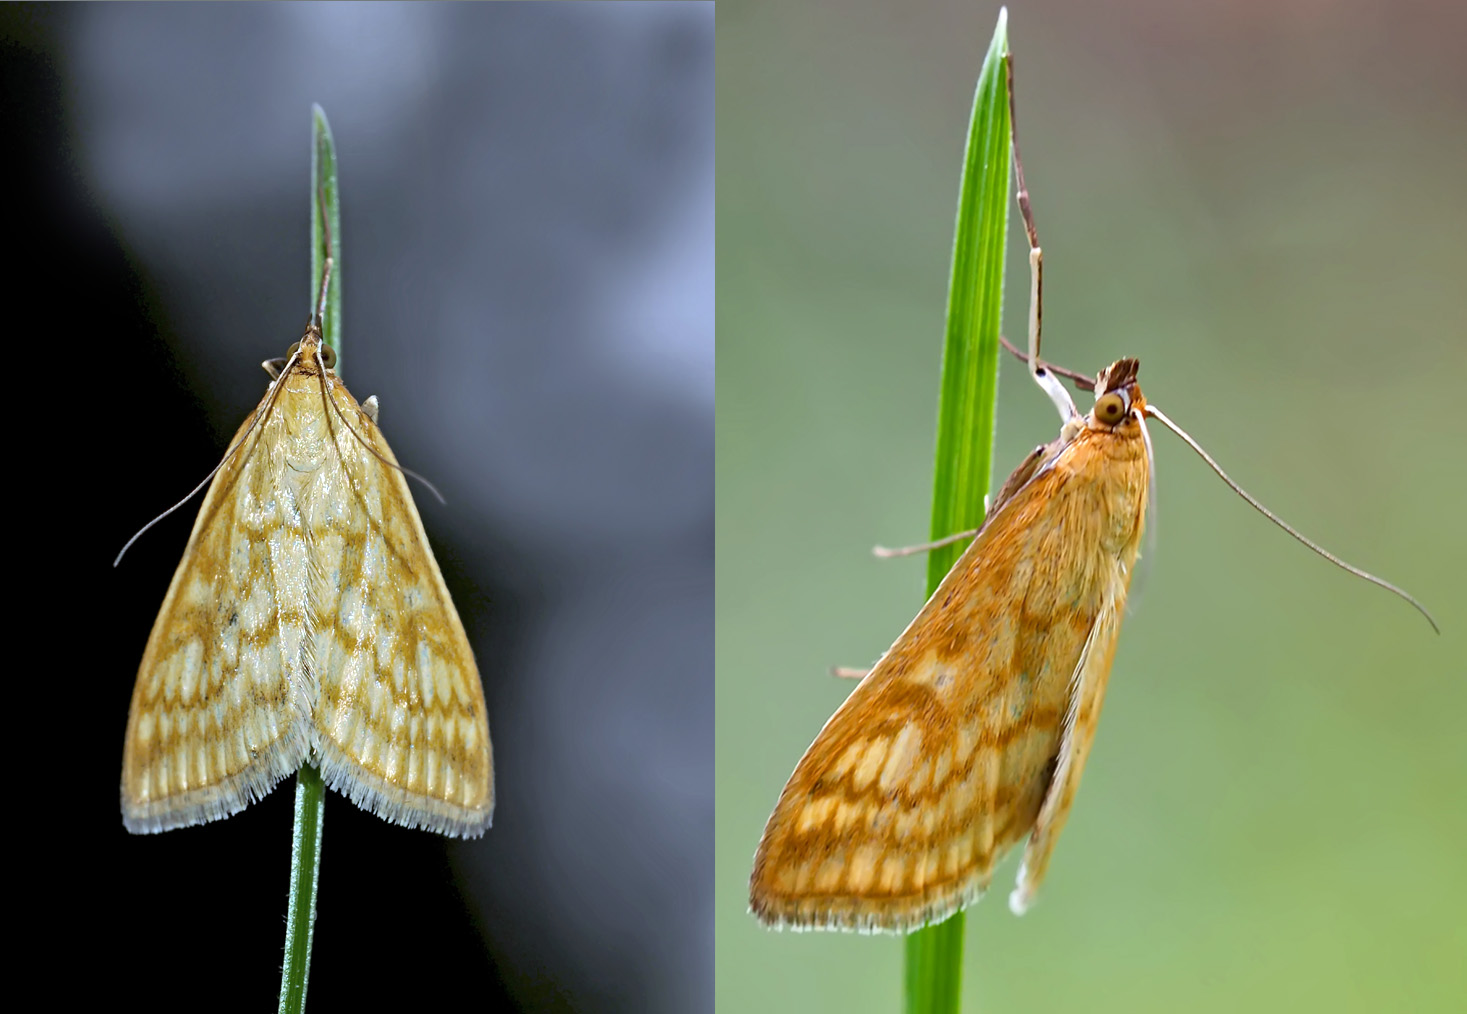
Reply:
x=1019, y=901
x=1021, y=898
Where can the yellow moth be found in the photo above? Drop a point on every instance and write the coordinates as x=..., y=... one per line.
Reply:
x=971, y=733
x=308, y=623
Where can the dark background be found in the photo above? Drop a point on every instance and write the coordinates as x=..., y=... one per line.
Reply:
x=528, y=280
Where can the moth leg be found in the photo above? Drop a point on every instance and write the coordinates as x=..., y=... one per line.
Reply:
x=274, y=367
x=370, y=408
x=886, y=553
x=842, y=672
x=1046, y=380
x=1087, y=689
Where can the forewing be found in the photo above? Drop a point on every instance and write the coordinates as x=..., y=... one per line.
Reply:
x=939, y=760
x=1091, y=674
x=219, y=712
x=401, y=727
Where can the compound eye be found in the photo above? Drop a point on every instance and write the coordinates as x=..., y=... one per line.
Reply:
x=294, y=348
x=1110, y=408
x=328, y=356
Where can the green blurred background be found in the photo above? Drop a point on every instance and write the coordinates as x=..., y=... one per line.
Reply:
x=1265, y=202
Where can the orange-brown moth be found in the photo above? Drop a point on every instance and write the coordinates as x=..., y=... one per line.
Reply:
x=971, y=732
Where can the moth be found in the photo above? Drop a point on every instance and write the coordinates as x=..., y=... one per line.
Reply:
x=308, y=622
x=971, y=733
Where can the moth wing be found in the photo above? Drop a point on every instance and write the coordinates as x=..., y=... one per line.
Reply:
x=400, y=724
x=1091, y=674
x=218, y=712
x=939, y=760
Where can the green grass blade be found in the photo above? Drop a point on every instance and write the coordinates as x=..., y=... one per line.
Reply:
x=310, y=791
x=323, y=175
x=965, y=425
x=305, y=874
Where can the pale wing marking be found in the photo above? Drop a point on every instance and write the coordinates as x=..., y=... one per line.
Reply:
x=401, y=725
x=935, y=764
x=216, y=718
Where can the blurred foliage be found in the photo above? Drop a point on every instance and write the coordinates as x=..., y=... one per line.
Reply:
x=1263, y=203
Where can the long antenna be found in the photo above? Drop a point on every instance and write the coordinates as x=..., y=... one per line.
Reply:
x=274, y=393
x=1151, y=509
x=320, y=320
x=1157, y=413
x=325, y=264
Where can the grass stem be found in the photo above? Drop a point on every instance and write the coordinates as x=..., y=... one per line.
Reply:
x=965, y=425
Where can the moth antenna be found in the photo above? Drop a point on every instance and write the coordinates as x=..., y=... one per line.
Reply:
x=325, y=263
x=1332, y=558
x=274, y=393
x=139, y=533
x=1148, y=558
x=1150, y=469
x=332, y=406
x=321, y=323
x=1042, y=376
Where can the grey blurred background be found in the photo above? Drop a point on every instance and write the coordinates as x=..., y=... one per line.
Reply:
x=527, y=247
x=1265, y=202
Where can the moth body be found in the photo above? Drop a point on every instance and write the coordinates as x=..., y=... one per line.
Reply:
x=308, y=622
x=971, y=732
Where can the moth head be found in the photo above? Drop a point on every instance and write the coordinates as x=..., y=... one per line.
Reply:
x=313, y=342
x=1118, y=396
